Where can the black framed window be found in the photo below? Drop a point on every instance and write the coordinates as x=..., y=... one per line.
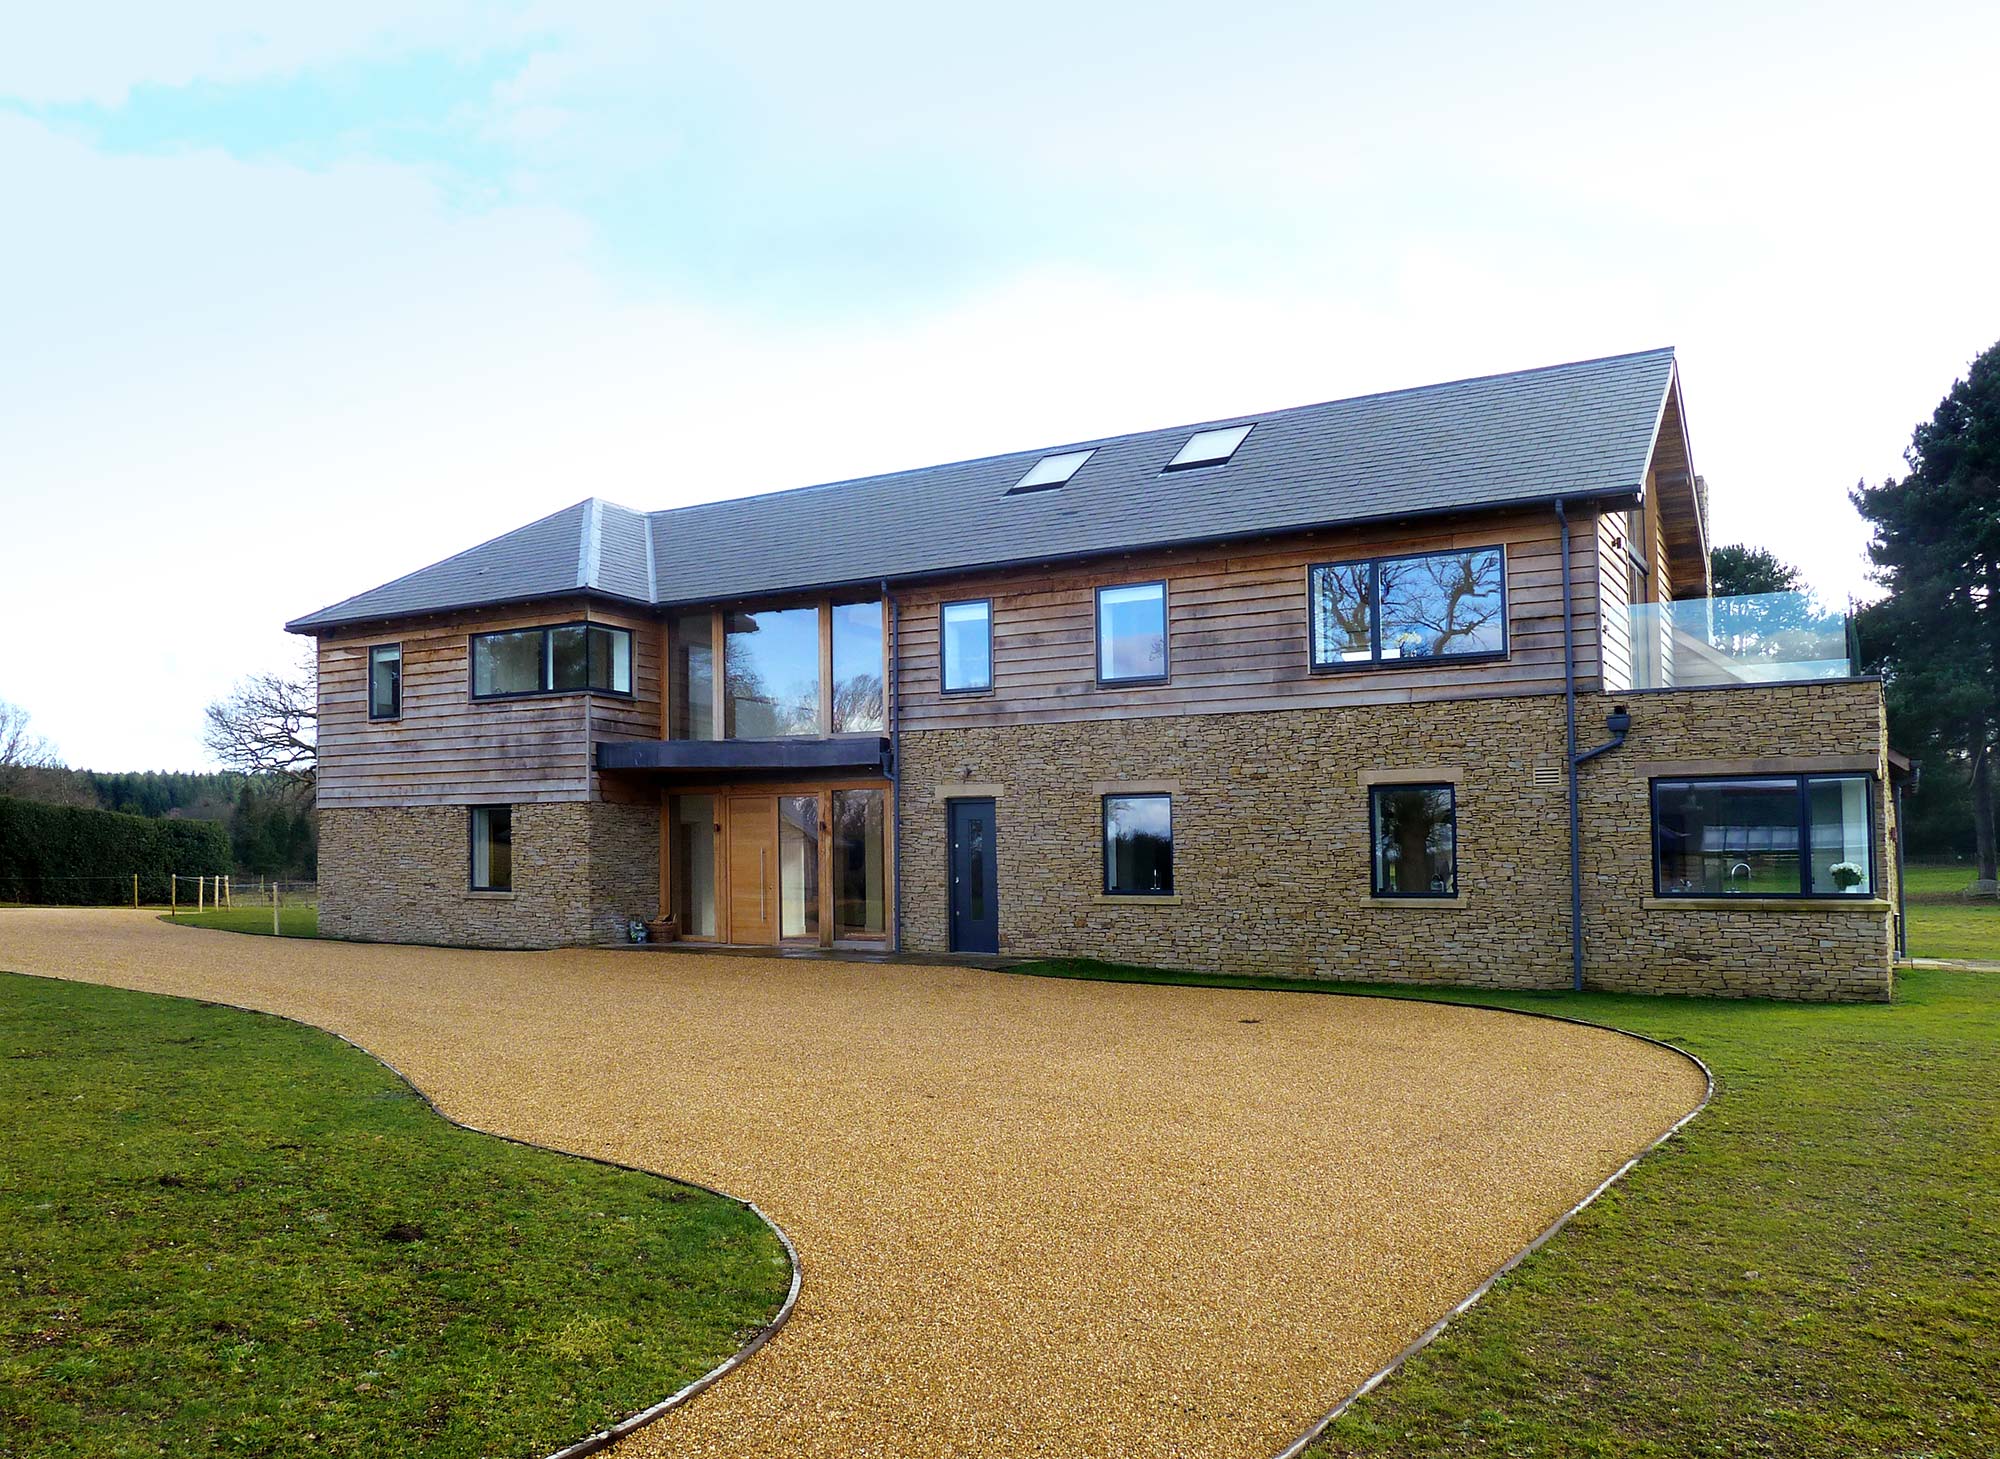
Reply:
x=385, y=681
x=564, y=658
x=1764, y=836
x=1138, y=845
x=966, y=634
x=492, y=828
x=1132, y=633
x=1414, y=830
x=1428, y=606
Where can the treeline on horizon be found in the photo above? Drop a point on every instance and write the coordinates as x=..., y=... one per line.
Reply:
x=270, y=822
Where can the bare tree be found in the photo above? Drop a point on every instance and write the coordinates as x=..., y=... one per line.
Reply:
x=23, y=753
x=267, y=725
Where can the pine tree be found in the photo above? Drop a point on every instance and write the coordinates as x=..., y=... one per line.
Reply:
x=1936, y=549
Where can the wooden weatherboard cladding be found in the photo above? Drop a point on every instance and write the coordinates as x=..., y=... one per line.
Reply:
x=448, y=749
x=1239, y=628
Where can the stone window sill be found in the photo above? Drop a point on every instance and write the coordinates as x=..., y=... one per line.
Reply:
x=1137, y=899
x=477, y=896
x=1764, y=904
x=1417, y=904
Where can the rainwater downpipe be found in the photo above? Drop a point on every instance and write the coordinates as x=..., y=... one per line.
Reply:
x=1618, y=723
x=1569, y=759
x=895, y=772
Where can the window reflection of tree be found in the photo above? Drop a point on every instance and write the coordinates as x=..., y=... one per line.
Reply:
x=1433, y=606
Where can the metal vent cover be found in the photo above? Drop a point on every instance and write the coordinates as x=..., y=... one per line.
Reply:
x=1548, y=775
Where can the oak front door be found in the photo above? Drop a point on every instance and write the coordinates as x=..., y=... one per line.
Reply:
x=753, y=868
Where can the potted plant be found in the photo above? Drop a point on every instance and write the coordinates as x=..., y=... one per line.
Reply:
x=1847, y=875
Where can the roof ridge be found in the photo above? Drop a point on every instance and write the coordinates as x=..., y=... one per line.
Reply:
x=1098, y=442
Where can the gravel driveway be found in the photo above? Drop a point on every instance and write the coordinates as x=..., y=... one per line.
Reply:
x=1036, y=1217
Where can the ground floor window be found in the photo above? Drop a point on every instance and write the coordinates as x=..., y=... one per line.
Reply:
x=860, y=868
x=1764, y=836
x=1138, y=845
x=492, y=848
x=1414, y=829
x=693, y=852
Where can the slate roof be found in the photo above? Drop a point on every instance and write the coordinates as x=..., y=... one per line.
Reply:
x=1573, y=431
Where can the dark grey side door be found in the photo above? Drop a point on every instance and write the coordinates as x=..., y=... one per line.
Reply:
x=975, y=879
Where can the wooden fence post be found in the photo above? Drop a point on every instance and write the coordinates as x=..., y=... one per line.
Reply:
x=173, y=897
x=135, y=891
x=274, y=911
x=201, y=894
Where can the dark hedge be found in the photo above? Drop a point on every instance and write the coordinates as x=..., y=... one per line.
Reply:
x=66, y=856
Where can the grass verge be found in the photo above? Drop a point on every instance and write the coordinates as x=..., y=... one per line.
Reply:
x=1811, y=1268
x=1942, y=923
x=292, y=921
x=230, y=1234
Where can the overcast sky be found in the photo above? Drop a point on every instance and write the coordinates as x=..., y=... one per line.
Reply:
x=297, y=299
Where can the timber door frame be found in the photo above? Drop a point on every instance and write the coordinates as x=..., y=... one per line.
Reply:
x=726, y=796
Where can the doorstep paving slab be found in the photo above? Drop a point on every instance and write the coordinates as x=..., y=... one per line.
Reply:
x=1037, y=1217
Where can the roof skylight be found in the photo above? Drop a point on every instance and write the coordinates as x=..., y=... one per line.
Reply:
x=1051, y=471
x=1209, y=448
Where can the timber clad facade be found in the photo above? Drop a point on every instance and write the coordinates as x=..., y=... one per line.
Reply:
x=1334, y=744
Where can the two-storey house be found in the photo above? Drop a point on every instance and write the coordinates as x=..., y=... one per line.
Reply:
x=1426, y=685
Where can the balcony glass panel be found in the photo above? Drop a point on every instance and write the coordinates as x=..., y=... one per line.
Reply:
x=1761, y=638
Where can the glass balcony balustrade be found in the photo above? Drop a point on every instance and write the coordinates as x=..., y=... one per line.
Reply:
x=1761, y=638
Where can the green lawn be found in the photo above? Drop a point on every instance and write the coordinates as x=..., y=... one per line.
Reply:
x=1943, y=924
x=1811, y=1268
x=297, y=921
x=229, y=1234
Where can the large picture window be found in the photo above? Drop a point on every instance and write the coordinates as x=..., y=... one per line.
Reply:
x=1138, y=845
x=771, y=674
x=562, y=659
x=385, y=681
x=1414, y=829
x=492, y=848
x=857, y=667
x=1764, y=836
x=1132, y=633
x=1394, y=609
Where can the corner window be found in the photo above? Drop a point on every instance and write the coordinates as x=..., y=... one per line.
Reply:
x=564, y=659
x=1390, y=609
x=385, y=681
x=1414, y=829
x=1138, y=845
x=1132, y=633
x=966, y=634
x=1764, y=836
x=492, y=848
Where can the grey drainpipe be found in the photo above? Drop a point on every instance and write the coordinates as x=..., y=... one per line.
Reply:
x=1902, y=919
x=1569, y=759
x=895, y=769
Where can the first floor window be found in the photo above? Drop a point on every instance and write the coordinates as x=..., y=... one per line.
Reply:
x=385, y=681
x=1434, y=605
x=1132, y=633
x=492, y=848
x=966, y=631
x=1138, y=845
x=1415, y=831
x=1763, y=836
